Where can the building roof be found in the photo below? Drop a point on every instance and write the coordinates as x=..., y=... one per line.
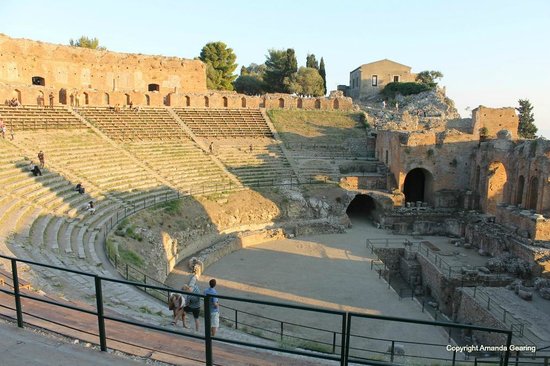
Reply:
x=385, y=60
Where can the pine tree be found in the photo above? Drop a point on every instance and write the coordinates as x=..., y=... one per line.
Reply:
x=311, y=61
x=280, y=66
x=220, y=65
x=526, y=126
x=323, y=74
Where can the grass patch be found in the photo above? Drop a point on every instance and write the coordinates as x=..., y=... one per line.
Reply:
x=290, y=343
x=130, y=257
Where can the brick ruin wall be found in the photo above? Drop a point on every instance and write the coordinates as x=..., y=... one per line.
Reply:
x=494, y=120
x=104, y=78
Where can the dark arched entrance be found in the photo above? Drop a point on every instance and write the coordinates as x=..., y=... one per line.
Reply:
x=361, y=207
x=418, y=186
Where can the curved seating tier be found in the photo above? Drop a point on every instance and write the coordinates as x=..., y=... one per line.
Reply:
x=256, y=162
x=25, y=118
x=225, y=122
x=132, y=125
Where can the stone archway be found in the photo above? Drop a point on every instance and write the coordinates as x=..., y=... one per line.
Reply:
x=361, y=207
x=496, y=181
x=317, y=103
x=336, y=104
x=206, y=102
x=225, y=102
x=243, y=102
x=281, y=103
x=299, y=103
x=418, y=186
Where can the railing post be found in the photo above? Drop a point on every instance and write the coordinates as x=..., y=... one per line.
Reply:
x=236, y=319
x=100, y=319
x=16, y=293
x=488, y=303
x=392, y=350
x=207, y=334
x=282, y=330
x=145, y=282
x=127, y=276
x=333, y=342
x=454, y=358
x=346, y=330
x=507, y=352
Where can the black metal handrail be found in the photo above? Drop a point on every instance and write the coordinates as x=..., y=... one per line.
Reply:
x=344, y=333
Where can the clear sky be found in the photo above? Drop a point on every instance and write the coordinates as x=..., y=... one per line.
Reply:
x=491, y=52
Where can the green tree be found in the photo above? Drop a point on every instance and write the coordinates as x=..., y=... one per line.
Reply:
x=86, y=42
x=526, y=126
x=311, y=61
x=429, y=78
x=251, y=80
x=220, y=65
x=323, y=74
x=307, y=82
x=280, y=66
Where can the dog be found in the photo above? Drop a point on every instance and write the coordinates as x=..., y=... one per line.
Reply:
x=176, y=303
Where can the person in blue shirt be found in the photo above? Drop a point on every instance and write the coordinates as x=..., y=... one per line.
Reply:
x=214, y=307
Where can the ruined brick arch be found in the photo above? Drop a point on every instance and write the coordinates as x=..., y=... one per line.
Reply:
x=362, y=207
x=128, y=100
x=106, y=99
x=206, y=102
x=336, y=104
x=519, y=191
x=243, y=102
x=147, y=100
x=187, y=101
x=153, y=87
x=418, y=186
x=300, y=103
x=281, y=103
x=86, y=98
x=166, y=100
x=496, y=184
x=533, y=194
x=317, y=103
x=225, y=104
x=63, y=96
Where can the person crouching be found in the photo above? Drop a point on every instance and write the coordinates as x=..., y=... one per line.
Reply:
x=176, y=303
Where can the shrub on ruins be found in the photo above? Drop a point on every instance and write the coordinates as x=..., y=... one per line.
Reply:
x=86, y=42
x=220, y=65
x=429, y=78
x=391, y=90
x=306, y=82
x=526, y=126
x=280, y=66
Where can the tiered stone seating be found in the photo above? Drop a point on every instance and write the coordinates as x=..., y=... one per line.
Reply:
x=225, y=122
x=25, y=118
x=264, y=165
x=128, y=125
x=183, y=164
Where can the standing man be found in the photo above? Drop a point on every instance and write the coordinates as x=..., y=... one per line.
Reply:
x=51, y=99
x=41, y=158
x=214, y=307
x=193, y=303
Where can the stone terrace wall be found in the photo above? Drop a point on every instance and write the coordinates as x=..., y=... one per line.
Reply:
x=86, y=69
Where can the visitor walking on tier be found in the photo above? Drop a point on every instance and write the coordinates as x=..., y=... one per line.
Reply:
x=41, y=158
x=214, y=307
x=211, y=147
x=193, y=303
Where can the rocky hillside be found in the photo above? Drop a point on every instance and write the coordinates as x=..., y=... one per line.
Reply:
x=431, y=110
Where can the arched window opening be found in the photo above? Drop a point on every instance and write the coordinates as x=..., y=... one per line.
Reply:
x=519, y=193
x=206, y=102
x=317, y=103
x=299, y=103
x=225, y=102
x=187, y=101
x=243, y=102
x=281, y=103
x=153, y=87
x=533, y=193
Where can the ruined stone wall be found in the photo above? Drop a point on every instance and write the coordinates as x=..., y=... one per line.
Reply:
x=440, y=287
x=446, y=158
x=515, y=173
x=86, y=69
x=495, y=120
x=470, y=311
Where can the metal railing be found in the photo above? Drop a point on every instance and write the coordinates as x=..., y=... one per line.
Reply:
x=341, y=331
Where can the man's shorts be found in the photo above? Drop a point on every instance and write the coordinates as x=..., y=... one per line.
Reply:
x=215, y=320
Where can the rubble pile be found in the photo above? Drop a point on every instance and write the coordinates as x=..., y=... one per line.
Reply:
x=507, y=263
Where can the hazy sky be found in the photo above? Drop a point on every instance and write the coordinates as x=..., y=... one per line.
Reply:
x=491, y=52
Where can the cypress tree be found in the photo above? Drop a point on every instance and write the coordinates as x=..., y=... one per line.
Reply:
x=323, y=74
